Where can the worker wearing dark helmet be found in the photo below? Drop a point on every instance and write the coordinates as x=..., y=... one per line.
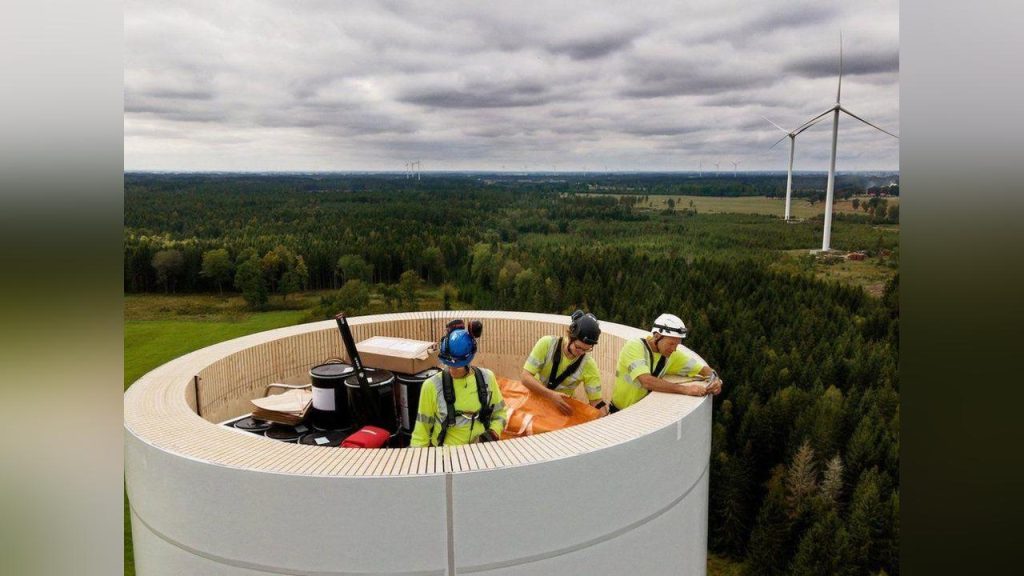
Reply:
x=558, y=365
x=643, y=362
x=462, y=404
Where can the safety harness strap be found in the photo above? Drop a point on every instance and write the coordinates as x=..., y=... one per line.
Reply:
x=655, y=370
x=554, y=381
x=448, y=391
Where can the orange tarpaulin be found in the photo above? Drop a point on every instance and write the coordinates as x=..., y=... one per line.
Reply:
x=529, y=415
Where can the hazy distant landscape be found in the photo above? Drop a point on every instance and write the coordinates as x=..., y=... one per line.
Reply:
x=804, y=468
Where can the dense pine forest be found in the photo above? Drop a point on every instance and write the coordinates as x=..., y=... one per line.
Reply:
x=805, y=449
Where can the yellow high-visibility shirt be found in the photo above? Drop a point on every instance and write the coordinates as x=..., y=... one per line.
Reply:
x=432, y=410
x=633, y=362
x=539, y=362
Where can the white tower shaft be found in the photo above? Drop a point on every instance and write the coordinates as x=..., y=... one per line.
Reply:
x=789, y=177
x=826, y=237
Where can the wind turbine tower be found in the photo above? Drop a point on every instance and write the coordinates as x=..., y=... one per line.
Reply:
x=826, y=236
x=700, y=168
x=716, y=168
x=792, y=148
x=735, y=165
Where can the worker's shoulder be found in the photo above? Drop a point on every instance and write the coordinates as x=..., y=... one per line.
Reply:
x=632, y=346
x=487, y=372
x=545, y=342
x=682, y=351
x=434, y=380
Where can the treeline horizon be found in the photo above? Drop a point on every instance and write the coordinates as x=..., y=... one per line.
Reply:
x=805, y=443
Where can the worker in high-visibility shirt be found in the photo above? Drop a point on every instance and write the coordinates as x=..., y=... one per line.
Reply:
x=462, y=404
x=643, y=362
x=558, y=365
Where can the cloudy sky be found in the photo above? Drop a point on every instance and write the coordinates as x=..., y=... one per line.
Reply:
x=566, y=85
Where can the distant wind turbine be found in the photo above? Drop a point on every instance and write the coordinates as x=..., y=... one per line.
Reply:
x=700, y=167
x=734, y=166
x=716, y=168
x=826, y=236
x=792, y=148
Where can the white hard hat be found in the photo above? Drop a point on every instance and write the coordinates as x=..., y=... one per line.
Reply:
x=669, y=325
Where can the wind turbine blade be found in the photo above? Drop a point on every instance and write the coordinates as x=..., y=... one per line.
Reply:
x=774, y=124
x=812, y=121
x=809, y=124
x=868, y=123
x=777, y=141
x=839, y=92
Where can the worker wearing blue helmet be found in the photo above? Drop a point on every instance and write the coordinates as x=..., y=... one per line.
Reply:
x=462, y=404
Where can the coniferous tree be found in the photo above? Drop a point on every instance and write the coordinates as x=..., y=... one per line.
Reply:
x=824, y=549
x=869, y=517
x=832, y=482
x=769, y=549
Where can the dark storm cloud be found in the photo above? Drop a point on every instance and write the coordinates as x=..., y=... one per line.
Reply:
x=667, y=80
x=826, y=65
x=663, y=130
x=591, y=48
x=169, y=110
x=179, y=94
x=778, y=17
x=481, y=96
x=337, y=122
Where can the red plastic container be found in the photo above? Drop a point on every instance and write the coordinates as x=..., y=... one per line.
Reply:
x=367, y=437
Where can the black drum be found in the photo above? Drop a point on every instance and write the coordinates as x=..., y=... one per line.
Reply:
x=330, y=403
x=407, y=396
x=379, y=408
x=286, y=433
x=326, y=437
x=250, y=424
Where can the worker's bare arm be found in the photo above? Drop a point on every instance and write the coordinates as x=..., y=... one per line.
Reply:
x=655, y=384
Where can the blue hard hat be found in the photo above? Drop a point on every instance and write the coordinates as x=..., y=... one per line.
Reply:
x=457, y=349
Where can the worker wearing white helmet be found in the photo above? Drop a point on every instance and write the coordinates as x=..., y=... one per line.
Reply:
x=644, y=361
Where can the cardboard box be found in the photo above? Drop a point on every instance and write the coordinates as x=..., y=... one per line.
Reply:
x=397, y=354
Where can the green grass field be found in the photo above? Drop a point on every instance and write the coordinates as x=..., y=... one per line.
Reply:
x=800, y=208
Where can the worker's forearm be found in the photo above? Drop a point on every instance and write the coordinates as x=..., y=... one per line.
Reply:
x=420, y=436
x=659, y=385
x=532, y=383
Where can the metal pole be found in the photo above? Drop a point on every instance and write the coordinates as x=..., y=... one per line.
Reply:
x=195, y=388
